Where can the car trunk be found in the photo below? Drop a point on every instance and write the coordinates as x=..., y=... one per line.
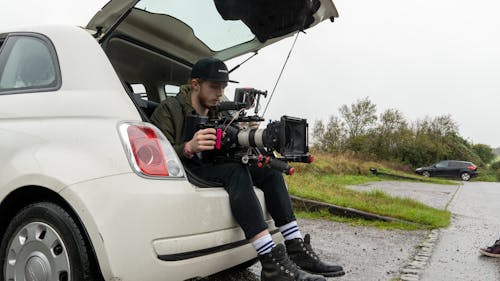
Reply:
x=156, y=42
x=190, y=29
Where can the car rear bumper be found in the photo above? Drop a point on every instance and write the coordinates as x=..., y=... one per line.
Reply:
x=152, y=230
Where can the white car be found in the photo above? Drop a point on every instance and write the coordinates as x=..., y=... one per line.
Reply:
x=89, y=189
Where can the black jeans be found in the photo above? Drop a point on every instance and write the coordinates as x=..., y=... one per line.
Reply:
x=238, y=180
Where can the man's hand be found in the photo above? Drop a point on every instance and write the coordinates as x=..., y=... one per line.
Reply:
x=202, y=140
x=250, y=125
x=253, y=124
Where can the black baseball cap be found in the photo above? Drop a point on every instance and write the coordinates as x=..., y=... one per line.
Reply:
x=211, y=69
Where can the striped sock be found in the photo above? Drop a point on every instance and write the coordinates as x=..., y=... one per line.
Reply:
x=290, y=230
x=264, y=244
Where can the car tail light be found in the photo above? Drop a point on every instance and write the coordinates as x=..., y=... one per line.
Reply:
x=148, y=151
x=472, y=167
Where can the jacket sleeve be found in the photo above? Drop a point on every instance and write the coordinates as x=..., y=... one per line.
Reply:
x=164, y=118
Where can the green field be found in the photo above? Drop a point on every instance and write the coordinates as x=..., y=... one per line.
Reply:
x=320, y=182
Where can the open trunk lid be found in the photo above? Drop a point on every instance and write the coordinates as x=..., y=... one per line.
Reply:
x=190, y=29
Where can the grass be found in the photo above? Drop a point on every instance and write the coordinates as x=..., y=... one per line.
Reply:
x=325, y=215
x=488, y=175
x=351, y=179
x=320, y=182
x=351, y=171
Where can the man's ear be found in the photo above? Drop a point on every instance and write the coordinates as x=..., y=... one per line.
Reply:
x=195, y=85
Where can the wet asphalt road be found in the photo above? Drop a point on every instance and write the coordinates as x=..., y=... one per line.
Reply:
x=475, y=224
x=372, y=254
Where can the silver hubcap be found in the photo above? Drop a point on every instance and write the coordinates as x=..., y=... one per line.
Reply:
x=426, y=174
x=465, y=176
x=37, y=253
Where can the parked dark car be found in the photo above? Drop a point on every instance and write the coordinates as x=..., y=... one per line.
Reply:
x=450, y=168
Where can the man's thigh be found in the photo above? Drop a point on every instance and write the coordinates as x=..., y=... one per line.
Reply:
x=222, y=173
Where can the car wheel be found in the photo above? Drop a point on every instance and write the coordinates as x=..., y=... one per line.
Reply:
x=465, y=176
x=43, y=242
x=426, y=174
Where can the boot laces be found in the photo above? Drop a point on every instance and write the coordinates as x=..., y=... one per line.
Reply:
x=286, y=265
x=307, y=248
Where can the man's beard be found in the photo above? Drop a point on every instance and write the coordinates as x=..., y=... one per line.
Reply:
x=206, y=103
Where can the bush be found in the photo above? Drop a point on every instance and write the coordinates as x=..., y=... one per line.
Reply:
x=391, y=137
x=485, y=152
x=495, y=165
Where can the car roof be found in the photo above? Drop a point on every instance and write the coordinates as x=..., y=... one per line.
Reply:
x=75, y=47
x=459, y=162
x=90, y=85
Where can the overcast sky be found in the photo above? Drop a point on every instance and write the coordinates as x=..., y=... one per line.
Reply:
x=425, y=58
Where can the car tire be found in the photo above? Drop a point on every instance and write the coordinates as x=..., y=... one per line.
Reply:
x=44, y=242
x=426, y=174
x=465, y=176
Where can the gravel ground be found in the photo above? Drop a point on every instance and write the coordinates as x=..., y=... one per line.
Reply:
x=365, y=253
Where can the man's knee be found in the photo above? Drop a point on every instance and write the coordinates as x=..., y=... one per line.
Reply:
x=271, y=176
x=238, y=176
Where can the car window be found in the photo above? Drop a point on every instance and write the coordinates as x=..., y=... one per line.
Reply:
x=442, y=164
x=205, y=21
x=27, y=63
x=171, y=90
x=140, y=90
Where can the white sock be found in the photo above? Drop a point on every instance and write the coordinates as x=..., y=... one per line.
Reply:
x=290, y=231
x=264, y=244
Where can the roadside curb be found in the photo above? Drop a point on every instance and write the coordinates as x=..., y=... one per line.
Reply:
x=415, y=267
x=412, y=271
x=312, y=205
x=376, y=172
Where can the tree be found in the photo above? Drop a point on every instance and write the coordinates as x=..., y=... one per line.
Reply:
x=485, y=152
x=391, y=121
x=391, y=135
x=331, y=137
x=318, y=133
x=360, y=117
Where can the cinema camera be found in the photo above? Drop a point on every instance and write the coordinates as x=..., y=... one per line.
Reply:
x=279, y=143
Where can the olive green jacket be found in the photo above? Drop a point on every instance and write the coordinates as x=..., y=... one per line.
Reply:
x=170, y=115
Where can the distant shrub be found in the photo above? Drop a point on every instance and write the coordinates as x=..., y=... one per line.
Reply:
x=390, y=137
x=485, y=152
x=497, y=173
x=495, y=165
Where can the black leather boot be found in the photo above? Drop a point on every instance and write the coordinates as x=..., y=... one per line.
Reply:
x=302, y=254
x=277, y=266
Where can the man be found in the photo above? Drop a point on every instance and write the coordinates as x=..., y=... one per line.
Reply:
x=209, y=77
x=492, y=251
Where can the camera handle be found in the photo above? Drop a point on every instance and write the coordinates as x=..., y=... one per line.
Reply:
x=218, y=140
x=262, y=161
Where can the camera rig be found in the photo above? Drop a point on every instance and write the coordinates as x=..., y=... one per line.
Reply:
x=275, y=146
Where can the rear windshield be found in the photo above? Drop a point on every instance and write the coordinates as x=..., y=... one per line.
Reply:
x=206, y=22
